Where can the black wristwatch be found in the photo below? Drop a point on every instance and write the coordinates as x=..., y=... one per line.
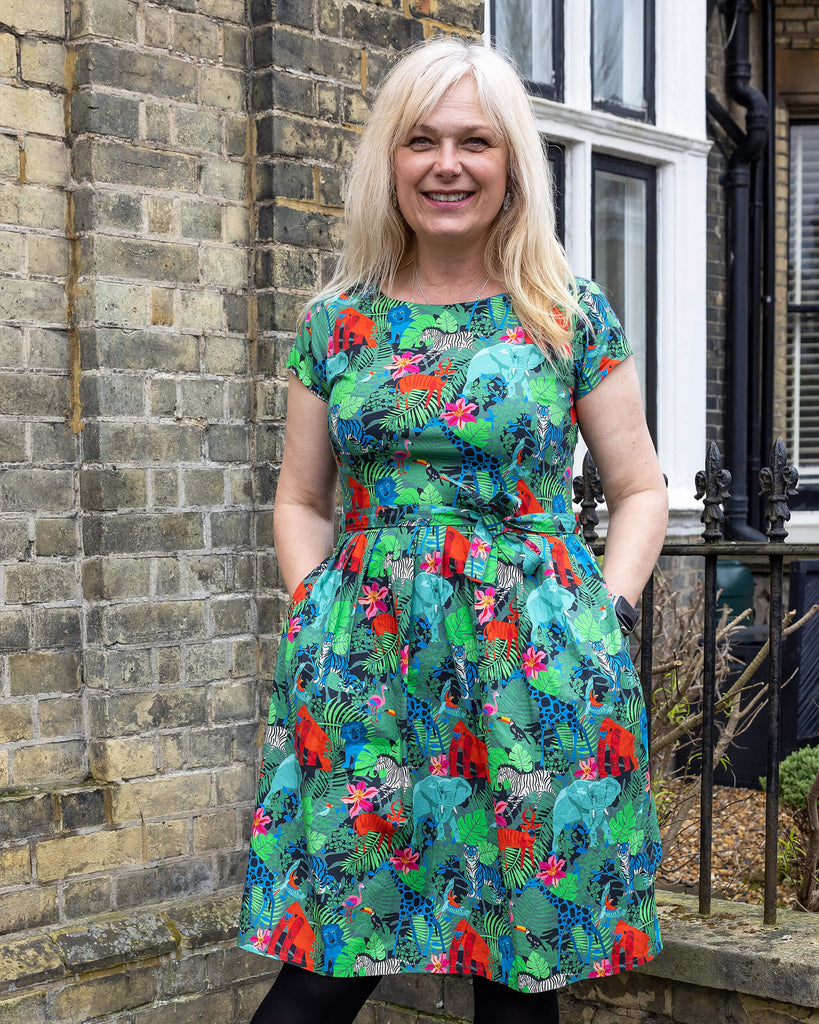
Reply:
x=626, y=613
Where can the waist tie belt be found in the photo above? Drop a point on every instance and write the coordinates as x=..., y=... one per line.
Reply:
x=493, y=526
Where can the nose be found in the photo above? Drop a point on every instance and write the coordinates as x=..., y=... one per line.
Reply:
x=447, y=163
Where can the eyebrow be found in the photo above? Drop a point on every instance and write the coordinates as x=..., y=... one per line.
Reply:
x=484, y=129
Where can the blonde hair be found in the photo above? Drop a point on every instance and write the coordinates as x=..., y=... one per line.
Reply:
x=522, y=249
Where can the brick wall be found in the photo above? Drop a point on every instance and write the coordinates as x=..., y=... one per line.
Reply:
x=169, y=195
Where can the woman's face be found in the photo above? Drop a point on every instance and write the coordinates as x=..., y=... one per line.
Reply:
x=451, y=172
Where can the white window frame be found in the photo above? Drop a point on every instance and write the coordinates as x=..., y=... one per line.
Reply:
x=676, y=144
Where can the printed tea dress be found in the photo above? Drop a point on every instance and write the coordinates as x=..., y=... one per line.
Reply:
x=454, y=774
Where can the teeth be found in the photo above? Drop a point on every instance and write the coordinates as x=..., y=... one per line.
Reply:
x=448, y=197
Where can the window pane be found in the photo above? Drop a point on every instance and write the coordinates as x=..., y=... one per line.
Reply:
x=620, y=254
x=618, y=32
x=523, y=28
x=803, y=290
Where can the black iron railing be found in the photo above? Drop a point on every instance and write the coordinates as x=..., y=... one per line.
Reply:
x=778, y=482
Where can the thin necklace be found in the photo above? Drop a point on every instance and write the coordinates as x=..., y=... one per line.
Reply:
x=416, y=281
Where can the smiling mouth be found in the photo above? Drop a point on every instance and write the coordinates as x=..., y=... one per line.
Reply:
x=448, y=197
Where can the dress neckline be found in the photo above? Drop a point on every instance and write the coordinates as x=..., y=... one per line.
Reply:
x=440, y=305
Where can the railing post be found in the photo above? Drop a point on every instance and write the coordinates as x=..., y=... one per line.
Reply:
x=778, y=481
x=588, y=493
x=712, y=484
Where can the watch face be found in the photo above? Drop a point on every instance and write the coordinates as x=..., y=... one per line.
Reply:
x=626, y=614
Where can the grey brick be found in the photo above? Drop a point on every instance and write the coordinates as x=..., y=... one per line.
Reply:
x=47, y=349
x=373, y=27
x=55, y=537
x=300, y=227
x=36, y=490
x=15, y=631
x=52, y=444
x=311, y=54
x=139, y=350
x=43, y=673
x=223, y=179
x=30, y=816
x=11, y=347
x=135, y=71
x=164, y=881
x=33, y=394
x=230, y=529
x=200, y=220
x=137, y=533
x=104, y=114
x=83, y=808
x=13, y=539
x=199, y=130
x=235, y=45
x=228, y=444
x=231, y=616
x=112, y=489
x=106, y=211
x=111, y=579
x=236, y=313
x=120, y=163
x=57, y=627
x=118, y=670
x=131, y=713
x=141, y=442
x=204, y=487
x=226, y=355
x=154, y=623
x=85, y=897
x=38, y=582
x=12, y=442
x=195, y=36
x=205, y=663
x=136, y=260
x=108, y=395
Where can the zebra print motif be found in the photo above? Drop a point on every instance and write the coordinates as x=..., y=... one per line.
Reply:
x=523, y=783
x=275, y=736
x=366, y=964
x=399, y=568
x=440, y=340
x=529, y=983
x=509, y=576
x=398, y=775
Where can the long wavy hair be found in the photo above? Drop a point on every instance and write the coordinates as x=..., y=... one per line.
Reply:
x=522, y=249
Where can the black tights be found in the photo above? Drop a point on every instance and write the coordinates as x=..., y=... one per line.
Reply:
x=303, y=997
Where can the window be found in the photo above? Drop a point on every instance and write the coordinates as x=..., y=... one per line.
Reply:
x=623, y=57
x=557, y=168
x=802, y=358
x=531, y=31
x=624, y=258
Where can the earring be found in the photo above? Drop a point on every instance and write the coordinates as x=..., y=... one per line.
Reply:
x=507, y=199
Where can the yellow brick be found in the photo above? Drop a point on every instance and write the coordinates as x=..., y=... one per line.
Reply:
x=42, y=62
x=46, y=161
x=157, y=798
x=168, y=839
x=98, y=851
x=4, y=768
x=32, y=110
x=214, y=832
x=171, y=756
x=8, y=56
x=24, y=16
x=15, y=866
x=47, y=255
x=9, y=157
x=122, y=759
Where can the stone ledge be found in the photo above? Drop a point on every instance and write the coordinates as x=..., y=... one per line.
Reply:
x=733, y=950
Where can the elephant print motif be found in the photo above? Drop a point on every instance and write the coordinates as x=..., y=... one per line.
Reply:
x=454, y=770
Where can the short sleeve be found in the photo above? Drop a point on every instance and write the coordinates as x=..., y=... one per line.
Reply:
x=308, y=356
x=600, y=348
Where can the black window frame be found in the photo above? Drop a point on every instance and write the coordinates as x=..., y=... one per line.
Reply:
x=806, y=498
x=546, y=90
x=556, y=154
x=648, y=115
x=648, y=173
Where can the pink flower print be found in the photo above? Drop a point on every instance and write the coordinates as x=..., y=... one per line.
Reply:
x=587, y=769
x=405, y=660
x=293, y=627
x=534, y=661
x=602, y=969
x=552, y=870
x=373, y=599
x=439, y=765
x=262, y=939
x=478, y=548
x=648, y=781
x=359, y=797
x=260, y=822
x=500, y=807
x=439, y=964
x=460, y=412
x=514, y=336
x=432, y=561
x=485, y=603
x=403, y=363
x=405, y=860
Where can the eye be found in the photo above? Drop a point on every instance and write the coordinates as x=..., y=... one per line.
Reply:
x=477, y=142
x=419, y=142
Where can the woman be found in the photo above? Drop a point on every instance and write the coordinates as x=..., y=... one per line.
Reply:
x=455, y=776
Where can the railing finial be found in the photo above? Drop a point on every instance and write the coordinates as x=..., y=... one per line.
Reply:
x=778, y=481
x=588, y=493
x=713, y=485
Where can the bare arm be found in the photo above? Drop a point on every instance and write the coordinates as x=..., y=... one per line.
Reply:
x=613, y=425
x=305, y=496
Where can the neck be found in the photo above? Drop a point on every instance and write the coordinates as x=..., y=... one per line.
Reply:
x=440, y=276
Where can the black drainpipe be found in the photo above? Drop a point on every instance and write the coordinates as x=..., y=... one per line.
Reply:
x=768, y=306
x=742, y=363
